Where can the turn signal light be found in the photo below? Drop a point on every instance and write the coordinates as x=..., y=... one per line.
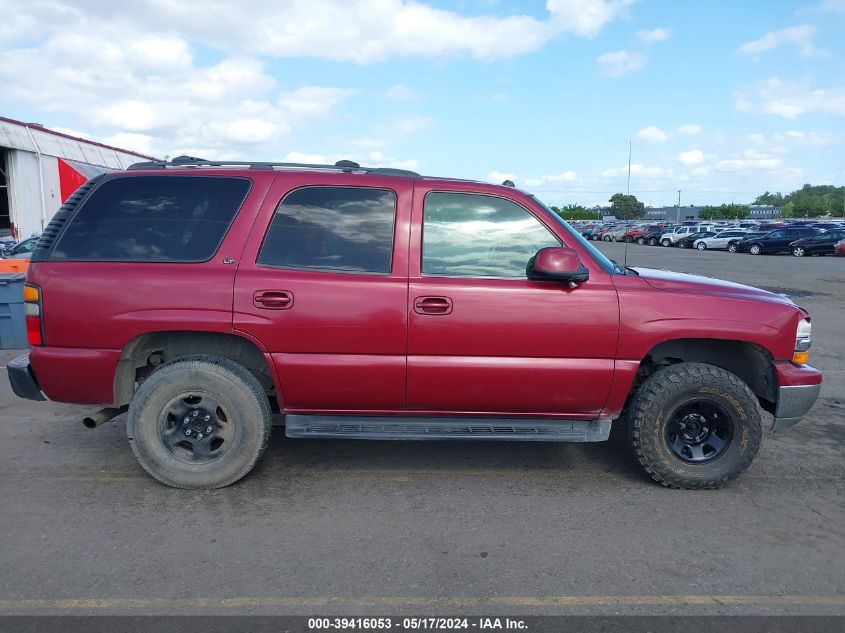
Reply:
x=32, y=309
x=799, y=358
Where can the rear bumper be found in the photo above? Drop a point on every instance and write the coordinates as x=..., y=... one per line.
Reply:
x=22, y=380
x=798, y=391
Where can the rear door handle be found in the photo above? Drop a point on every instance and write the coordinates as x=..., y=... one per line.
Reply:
x=273, y=299
x=432, y=305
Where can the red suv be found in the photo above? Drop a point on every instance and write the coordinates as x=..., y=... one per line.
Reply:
x=205, y=297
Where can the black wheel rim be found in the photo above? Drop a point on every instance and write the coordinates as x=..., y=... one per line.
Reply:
x=699, y=431
x=196, y=427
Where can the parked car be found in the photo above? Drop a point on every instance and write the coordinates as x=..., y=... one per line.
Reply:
x=777, y=241
x=690, y=240
x=633, y=233
x=23, y=250
x=652, y=238
x=719, y=240
x=821, y=244
x=679, y=232
x=202, y=298
x=733, y=244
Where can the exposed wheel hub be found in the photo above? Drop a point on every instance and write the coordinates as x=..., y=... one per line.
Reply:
x=699, y=431
x=195, y=427
x=693, y=427
x=198, y=423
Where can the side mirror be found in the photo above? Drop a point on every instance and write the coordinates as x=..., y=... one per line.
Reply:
x=557, y=263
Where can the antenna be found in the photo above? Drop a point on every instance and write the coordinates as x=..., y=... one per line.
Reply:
x=625, y=256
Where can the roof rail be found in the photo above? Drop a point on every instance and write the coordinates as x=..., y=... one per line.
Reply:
x=346, y=166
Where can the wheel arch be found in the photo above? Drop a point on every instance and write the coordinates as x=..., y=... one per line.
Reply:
x=144, y=353
x=750, y=362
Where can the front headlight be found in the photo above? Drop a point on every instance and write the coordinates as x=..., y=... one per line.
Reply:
x=803, y=340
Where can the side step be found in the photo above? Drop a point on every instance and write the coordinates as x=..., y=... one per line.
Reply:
x=419, y=428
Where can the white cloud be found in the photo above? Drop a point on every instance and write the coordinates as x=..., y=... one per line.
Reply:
x=654, y=35
x=313, y=100
x=141, y=143
x=652, y=134
x=365, y=159
x=799, y=36
x=812, y=139
x=400, y=92
x=757, y=138
x=752, y=162
x=690, y=129
x=792, y=99
x=618, y=63
x=691, y=157
x=360, y=31
x=409, y=125
x=637, y=169
x=499, y=177
x=567, y=176
x=836, y=6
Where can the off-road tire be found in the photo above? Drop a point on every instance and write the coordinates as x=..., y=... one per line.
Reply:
x=234, y=386
x=664, y=393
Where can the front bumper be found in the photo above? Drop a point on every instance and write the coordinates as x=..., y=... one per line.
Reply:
x=799, y=388
x=22, y=379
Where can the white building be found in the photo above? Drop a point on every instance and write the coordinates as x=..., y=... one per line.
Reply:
x=40, y=168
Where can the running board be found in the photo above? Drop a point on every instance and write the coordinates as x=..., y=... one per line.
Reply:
x=419, y=428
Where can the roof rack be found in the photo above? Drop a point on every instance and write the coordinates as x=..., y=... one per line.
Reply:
x=346, y=166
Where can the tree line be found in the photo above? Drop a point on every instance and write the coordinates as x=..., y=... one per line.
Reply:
x=808, y=202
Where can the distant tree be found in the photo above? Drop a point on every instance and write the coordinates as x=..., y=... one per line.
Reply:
x=807, y=202
x=575, y=212
x=626, y=207
x=788, y=210
x=724, y=212
x=771, y=199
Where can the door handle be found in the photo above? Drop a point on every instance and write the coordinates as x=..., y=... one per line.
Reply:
x=432, y=305
x=273, y=299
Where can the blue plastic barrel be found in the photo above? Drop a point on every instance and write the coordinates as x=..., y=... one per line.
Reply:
x=12, y=321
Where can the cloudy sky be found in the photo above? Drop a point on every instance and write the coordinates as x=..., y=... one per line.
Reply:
x=721, y=99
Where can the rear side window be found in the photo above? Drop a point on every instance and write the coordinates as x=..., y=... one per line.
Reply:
x=153, y=219
x=340, y=229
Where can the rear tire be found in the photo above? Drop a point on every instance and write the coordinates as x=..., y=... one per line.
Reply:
x=199, y=422
x=652, y=241
x=755, y=249
x=694, y=426
x=666, y=242
x=732, y=248
x=701, y=246
x=798, y=251
x=641, y=241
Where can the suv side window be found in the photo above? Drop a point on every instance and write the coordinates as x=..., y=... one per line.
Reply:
x=153, y=219
x=475, y=235
x=775, y=236
x=340, y=229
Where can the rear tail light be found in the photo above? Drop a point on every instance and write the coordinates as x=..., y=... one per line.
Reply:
x=32, y=307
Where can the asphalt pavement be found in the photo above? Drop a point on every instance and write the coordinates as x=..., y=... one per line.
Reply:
x=346, y=527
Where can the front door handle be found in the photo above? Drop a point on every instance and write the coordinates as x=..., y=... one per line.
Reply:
x=433, y=305
x=273, y=299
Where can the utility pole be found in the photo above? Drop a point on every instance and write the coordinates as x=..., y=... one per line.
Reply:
x=678, y=207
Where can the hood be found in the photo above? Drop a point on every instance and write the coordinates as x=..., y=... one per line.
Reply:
x=698, y=284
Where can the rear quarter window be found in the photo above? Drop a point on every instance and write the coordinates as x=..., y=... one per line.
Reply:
x=153, y=219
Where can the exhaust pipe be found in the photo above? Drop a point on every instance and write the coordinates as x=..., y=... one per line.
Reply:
x=103, y=415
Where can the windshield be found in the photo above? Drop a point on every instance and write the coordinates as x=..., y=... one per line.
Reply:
x=609, y=265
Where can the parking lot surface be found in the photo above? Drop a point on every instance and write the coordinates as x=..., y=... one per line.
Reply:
x=435, y=528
